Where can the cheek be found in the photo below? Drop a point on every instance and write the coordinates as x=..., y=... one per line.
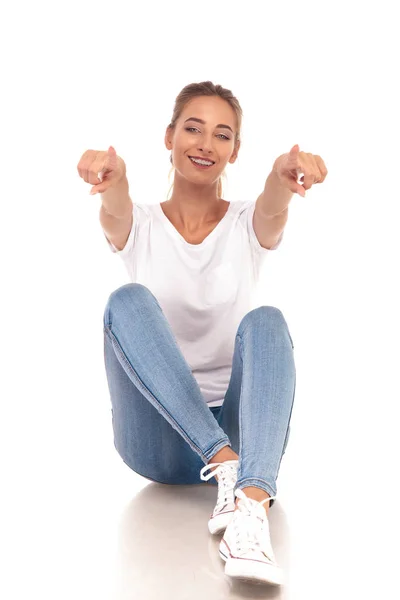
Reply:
x=181, y=146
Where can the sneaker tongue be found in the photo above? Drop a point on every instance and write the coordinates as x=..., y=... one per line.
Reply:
x=255, y=508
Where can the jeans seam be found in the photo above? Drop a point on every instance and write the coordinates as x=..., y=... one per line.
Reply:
x=118, y=350
x=289, y=420
x=240, y=411
x=240, y=395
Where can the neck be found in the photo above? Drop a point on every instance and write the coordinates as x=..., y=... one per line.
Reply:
x=194, y=205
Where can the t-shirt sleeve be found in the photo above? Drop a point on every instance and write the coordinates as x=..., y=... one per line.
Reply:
x=132, y=235
x=252, y=234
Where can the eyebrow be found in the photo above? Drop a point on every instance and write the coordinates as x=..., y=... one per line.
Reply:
x=203, y=123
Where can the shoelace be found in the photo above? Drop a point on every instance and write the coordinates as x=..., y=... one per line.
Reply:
x=227, y=477
x=253, y=522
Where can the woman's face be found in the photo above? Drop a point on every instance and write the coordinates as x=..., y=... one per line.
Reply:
x=212, y=139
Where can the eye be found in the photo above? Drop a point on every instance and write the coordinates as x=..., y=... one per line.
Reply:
x=224, y=136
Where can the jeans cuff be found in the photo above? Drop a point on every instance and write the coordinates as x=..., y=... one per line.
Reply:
x=217, y=447
x=255, y=482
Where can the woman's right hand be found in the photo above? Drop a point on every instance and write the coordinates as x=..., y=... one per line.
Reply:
x=101, y=169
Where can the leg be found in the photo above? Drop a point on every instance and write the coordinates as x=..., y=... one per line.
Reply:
x=139, y=343
x=144, y=439
x=258, y=404
x=223, y=455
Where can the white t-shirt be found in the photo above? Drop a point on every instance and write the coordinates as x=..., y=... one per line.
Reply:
x=204, y=290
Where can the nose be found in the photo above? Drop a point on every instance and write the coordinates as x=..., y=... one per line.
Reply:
x=205, y=150
x=205, y=144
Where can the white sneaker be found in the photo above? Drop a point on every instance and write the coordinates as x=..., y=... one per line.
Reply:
x=227, y=478
x=246, y=545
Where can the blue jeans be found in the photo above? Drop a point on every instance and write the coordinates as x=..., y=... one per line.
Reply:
x=163, y=428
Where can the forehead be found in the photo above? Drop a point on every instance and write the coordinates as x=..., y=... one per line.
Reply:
x=210, y=108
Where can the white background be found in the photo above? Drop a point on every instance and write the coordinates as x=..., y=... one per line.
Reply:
x=94, y=74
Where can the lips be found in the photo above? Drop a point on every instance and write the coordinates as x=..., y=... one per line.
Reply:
x=200, y=166
x=203, y=158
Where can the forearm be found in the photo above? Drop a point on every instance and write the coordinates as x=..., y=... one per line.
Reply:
x=116, y=200
x=273, y=198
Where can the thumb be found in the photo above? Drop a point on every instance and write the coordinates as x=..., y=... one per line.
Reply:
x=301, y=191
x=299, y=188
x=111, y=161
x=96, y=189
x=112, y=157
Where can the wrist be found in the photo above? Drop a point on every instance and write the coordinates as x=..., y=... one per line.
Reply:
x=276, y=197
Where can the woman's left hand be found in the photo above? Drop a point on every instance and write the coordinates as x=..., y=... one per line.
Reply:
x=289, y=166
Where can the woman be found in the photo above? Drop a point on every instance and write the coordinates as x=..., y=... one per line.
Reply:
x=197, y=379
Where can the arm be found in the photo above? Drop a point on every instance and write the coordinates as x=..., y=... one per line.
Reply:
x=115, y=199
x=116, y=213
x=268, y=224
x=271, y=210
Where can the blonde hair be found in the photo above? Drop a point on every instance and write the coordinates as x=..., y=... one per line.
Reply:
x=205, y=88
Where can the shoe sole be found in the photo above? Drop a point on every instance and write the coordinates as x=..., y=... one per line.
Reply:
x=219, y=523
x=252, y=572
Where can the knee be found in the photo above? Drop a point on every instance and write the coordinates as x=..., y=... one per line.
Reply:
x=125, y=297
x=264, y=316
x=129, y=290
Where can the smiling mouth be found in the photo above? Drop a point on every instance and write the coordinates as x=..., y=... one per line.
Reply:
x=199, y=165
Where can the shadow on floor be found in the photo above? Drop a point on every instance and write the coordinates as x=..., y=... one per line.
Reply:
x=165, y=550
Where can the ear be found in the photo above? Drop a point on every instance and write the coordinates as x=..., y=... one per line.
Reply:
x=168, y=138
x=235, y=153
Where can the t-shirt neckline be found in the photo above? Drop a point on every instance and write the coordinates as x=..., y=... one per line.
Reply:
x=180, y=237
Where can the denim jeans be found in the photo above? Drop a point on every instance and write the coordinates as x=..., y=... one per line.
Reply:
x=163, y=428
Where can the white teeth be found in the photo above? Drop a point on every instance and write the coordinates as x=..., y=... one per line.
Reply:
x=201, y=162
